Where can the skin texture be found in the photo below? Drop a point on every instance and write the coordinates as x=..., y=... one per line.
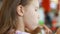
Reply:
x=31, y=15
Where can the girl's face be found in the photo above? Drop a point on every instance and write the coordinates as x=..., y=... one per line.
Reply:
x=30, y=14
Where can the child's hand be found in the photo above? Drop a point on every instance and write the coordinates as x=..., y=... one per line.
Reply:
x=47, y=30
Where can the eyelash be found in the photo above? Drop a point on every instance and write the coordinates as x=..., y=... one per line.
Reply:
x=35, y=9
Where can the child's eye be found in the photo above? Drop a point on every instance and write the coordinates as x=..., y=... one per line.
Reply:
x=36, y=9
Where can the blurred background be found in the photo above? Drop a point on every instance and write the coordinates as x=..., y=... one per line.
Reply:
x=49, y=13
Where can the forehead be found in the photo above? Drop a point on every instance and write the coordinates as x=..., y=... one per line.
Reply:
x=34, y=3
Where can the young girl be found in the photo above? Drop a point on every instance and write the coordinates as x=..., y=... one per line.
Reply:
x=18, y=15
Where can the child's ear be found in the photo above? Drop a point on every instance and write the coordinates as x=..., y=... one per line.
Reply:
x=20, y=10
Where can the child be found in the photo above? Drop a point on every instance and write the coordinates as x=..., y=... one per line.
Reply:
x=16, y=15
